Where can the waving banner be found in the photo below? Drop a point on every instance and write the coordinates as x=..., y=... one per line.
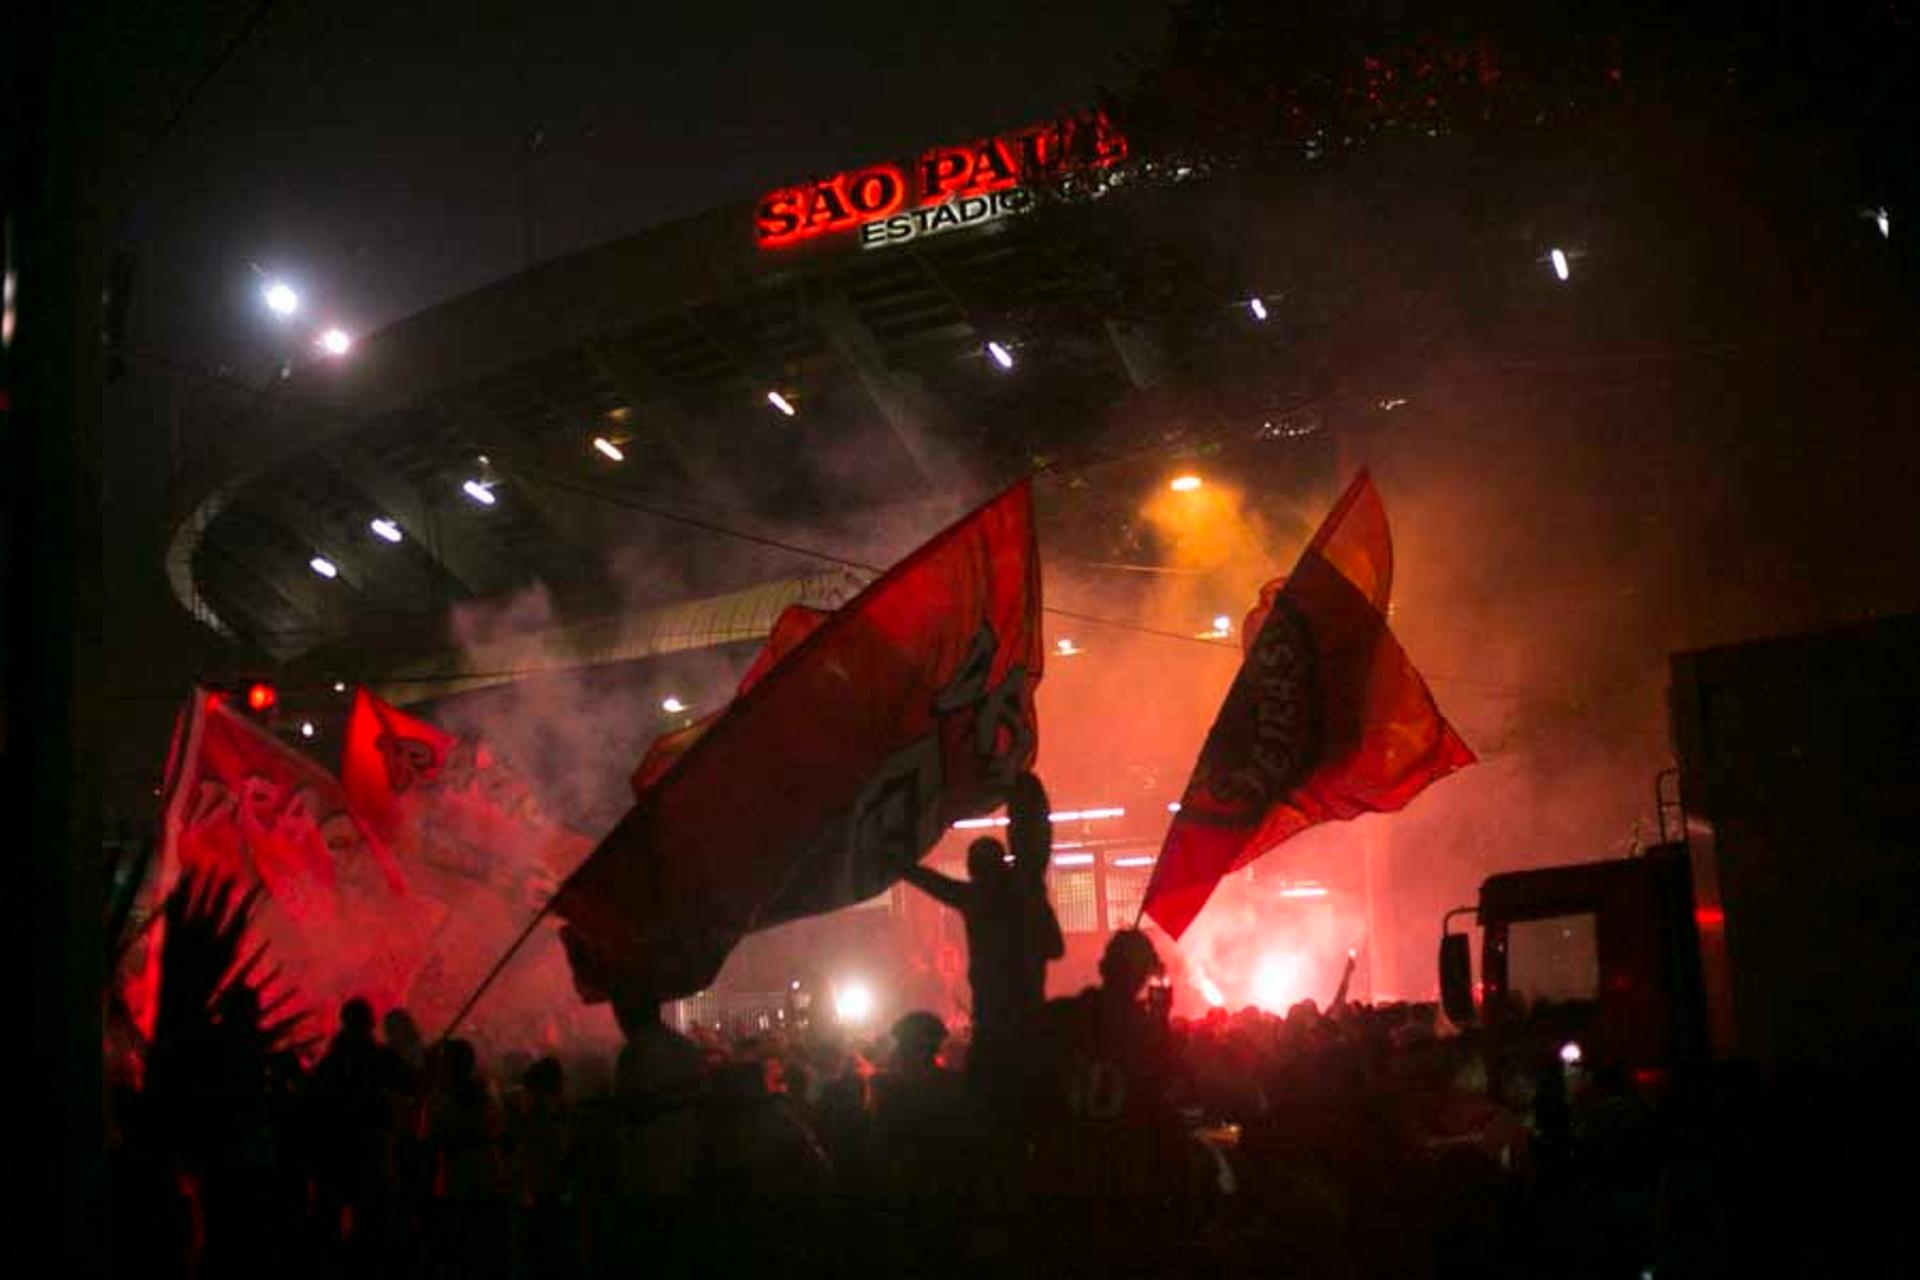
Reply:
x=852, y=745
x=1326, y=720
x=471, y=838
x=338, y=917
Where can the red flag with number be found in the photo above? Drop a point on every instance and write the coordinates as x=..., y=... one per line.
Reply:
x=882, y=723
x=1326, y=720
x=338, y=916
x=471, y=837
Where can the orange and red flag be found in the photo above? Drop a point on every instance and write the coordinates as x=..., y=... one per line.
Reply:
x=1326, y=720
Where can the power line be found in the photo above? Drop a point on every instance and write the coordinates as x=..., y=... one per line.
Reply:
x=541, y=476
x=207, y=77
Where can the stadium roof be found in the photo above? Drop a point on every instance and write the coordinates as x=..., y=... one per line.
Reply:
x=667, y=345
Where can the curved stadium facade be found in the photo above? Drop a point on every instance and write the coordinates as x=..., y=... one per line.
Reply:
x=838, y=365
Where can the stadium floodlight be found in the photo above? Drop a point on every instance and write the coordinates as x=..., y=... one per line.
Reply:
x=385, y=528
x=480, y=493
x=1883, y=220
x=324, y=567
x=306, y=728
x=1223, y=624
x=335, y=342
x=1001, y=356
x=1258, y=308
x=781, y=403
x=673, y=706
x=1560, y=267
x=609, y=449
x=281, y=298
x=339, y=686
x=1184, y=484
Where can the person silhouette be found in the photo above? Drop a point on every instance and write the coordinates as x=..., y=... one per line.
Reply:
x=1012, y=934
x=1111, y=1128
x=358, y=1091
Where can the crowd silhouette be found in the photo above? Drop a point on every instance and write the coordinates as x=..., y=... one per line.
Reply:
x=1090, y=1134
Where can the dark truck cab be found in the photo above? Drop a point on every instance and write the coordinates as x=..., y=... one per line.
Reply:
x=1782, y=929
x=1600, y=955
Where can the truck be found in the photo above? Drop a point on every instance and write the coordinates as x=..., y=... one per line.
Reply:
x=1776, y=923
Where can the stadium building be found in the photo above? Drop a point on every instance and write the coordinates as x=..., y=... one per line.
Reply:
x=597, y=483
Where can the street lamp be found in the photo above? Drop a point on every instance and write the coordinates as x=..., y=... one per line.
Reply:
x=281, y=298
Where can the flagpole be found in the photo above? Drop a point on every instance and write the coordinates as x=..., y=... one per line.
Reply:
x=486, y=982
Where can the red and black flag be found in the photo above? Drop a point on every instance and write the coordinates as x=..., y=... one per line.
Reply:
x=1326, y=720
x=855, y=741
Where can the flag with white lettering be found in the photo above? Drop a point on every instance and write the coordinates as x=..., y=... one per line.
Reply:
x=839, y=763
x=1326, y=720
x=469, y=834
x=337, y=914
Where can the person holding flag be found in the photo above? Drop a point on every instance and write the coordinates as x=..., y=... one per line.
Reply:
x=861, y=736
x=1012, y=934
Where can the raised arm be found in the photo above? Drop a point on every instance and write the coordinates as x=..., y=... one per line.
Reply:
x=1030, y=828
x=1054, y=943
x=957, y=894
x=1346, y=979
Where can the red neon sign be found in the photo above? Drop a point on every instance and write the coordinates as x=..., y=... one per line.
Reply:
x=853, y=199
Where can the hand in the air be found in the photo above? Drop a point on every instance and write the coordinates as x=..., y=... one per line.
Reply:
x=1029, y=828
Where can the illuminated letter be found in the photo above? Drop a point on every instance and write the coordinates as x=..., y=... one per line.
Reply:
x=1037, y=150
x=827, y=208
x=778, y=218
x=942, y=171
x=877, y=192
x=991, y=167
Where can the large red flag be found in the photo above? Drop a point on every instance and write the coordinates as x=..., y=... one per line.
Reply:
x=338, y=916
x=839, y=765
x=795, y=623
x=447, y=806
x=1326, y=720
x=469, y=834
